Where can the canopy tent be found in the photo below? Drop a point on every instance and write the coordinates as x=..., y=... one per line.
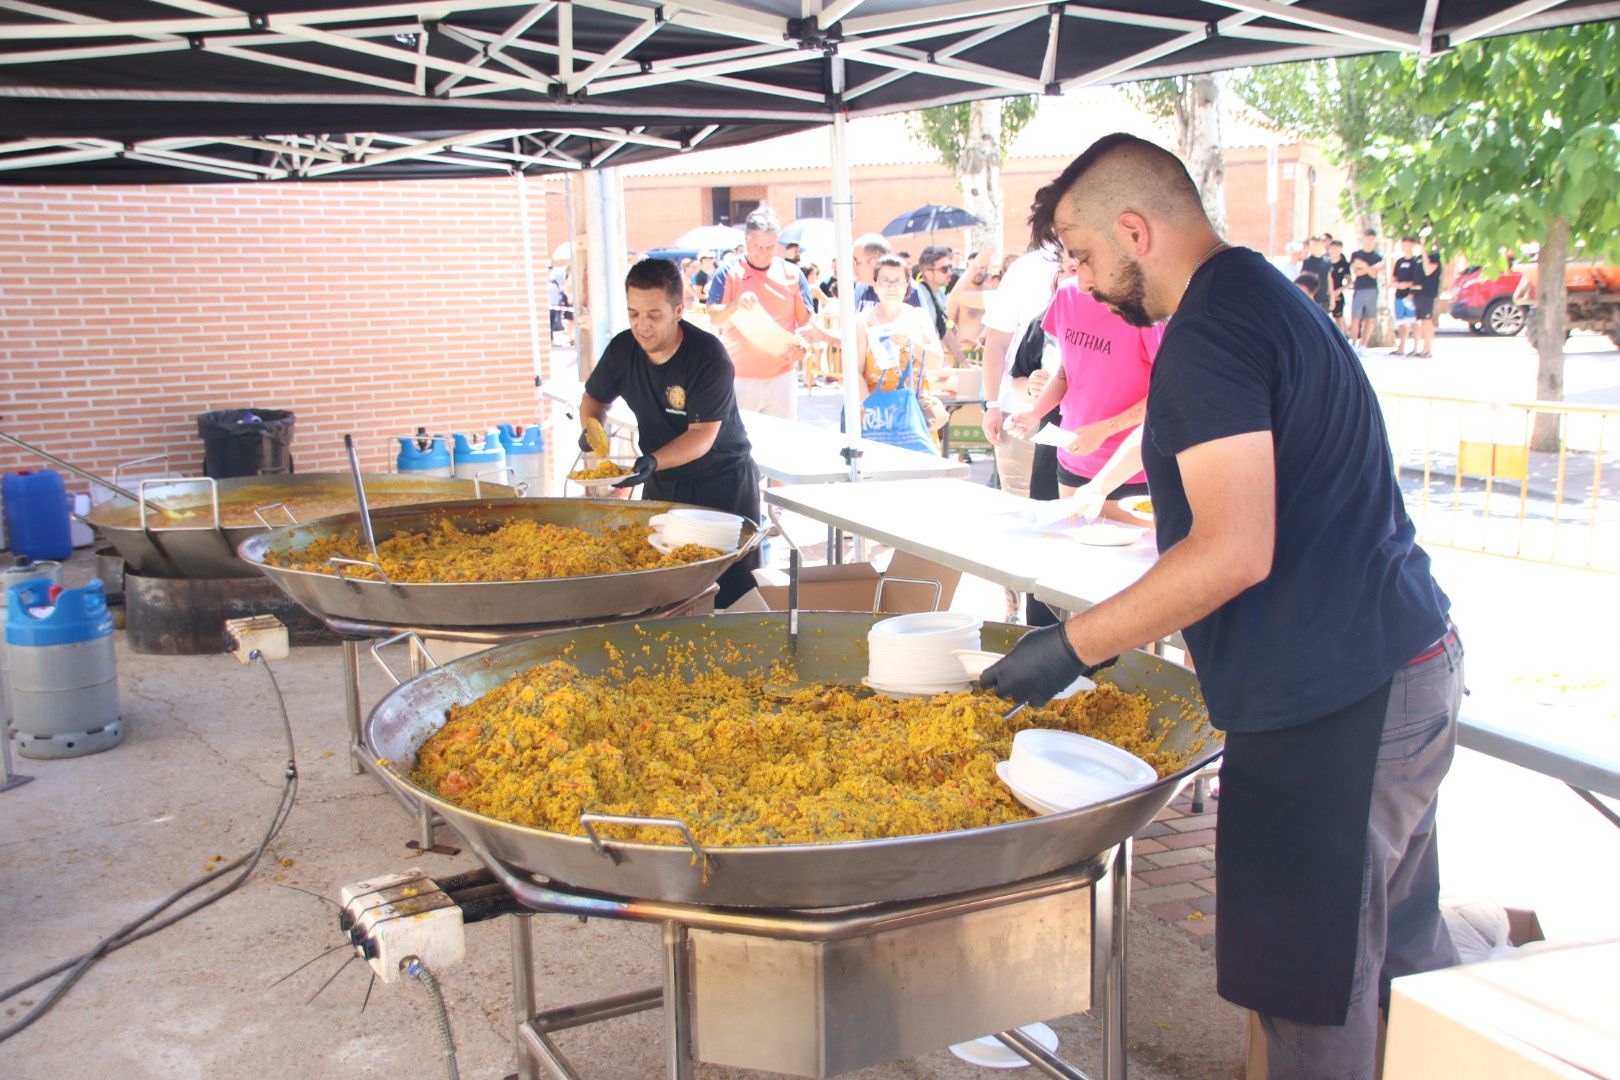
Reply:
x=99, y=91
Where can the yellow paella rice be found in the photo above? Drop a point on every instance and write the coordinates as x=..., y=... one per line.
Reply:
x=602, y=470
x=750, y=761
x=597, y=437
x=517, y=551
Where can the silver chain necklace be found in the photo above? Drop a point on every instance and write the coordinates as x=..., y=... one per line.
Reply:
x=1208, y=255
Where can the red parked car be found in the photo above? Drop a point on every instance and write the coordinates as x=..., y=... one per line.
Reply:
x=1486, y=304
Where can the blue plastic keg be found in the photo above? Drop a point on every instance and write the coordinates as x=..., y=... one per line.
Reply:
x=434, y=461
x=525, y=456
x=484, y=460
x=61, y=669
x=37, y=514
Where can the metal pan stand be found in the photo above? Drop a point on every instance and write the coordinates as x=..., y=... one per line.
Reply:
x=361, y=759
x=1106, y=880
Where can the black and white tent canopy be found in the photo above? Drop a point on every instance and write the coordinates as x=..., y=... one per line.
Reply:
x=98, y=91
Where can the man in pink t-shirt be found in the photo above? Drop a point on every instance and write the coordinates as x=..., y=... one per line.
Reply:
x=1101, y=389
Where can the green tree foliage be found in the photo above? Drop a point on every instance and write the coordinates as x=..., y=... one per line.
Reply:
x=1518, y=140
x=1340, y=105
x=947, y=128
x=971, y=140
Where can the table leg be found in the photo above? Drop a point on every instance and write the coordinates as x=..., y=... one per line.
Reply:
x=351, y=688
x=523, y=993
x=677, y=1002
x=1108, y=956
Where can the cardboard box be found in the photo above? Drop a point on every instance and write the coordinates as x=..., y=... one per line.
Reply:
x=1523, y=928
x=1551, y=1013
x=853, y=587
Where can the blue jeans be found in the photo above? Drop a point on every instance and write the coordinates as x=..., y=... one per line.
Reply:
x=1401, y=930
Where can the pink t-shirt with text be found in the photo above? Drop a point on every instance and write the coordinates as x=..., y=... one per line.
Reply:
x=1106, y=361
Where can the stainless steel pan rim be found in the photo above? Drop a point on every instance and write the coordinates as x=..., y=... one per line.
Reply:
x=162, y=547
x=775, y=875
x=512, y=602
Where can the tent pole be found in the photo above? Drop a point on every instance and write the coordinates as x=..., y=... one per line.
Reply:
x=531, y=294
x=844, y=229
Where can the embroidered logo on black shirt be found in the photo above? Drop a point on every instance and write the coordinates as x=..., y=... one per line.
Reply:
x=676, y=395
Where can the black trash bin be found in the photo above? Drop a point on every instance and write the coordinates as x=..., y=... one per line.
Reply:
x=246, y=442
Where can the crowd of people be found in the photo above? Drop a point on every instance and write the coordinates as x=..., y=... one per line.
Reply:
x=1348, y=287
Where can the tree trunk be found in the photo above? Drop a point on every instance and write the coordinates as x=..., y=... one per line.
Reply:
x=1552, y=316
x=978, y=173
x=1198, y=115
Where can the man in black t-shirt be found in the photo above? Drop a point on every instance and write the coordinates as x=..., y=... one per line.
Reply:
x=1402, y=277
x=678, y=380
x=1287, y=560
x=1364, y=271
x=705, y=273
x=1341, y=282
x=1316, y=264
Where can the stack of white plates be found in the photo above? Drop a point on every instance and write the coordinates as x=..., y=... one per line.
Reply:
x=914, y=654
x=705, y=528
x=1054, y=771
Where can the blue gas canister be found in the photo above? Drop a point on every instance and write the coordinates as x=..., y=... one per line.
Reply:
x=434, y=461
x=484, y=460
x=61, y=669
x=36, y=507
x=525, y=456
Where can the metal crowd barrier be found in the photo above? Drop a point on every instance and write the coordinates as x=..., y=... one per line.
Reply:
x=1532, y=480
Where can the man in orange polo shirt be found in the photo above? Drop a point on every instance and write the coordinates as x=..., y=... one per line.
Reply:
x=766, y=380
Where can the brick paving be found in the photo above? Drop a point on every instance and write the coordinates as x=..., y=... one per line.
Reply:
x=1173, y=866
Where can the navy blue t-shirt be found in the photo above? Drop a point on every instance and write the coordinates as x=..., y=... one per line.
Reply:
x=1350, y=597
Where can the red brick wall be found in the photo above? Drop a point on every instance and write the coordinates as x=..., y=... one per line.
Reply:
x=363, y=307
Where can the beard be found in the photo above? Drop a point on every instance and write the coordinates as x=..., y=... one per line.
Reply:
x=1127, y=294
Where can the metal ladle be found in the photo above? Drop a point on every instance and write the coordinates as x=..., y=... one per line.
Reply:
x=83, y=474
x=360, y=496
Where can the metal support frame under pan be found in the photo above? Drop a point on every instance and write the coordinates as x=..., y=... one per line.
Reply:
x=1107, y=879
x=361, y=760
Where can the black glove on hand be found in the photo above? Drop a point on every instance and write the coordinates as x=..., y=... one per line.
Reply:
x=585, y=442
x=1042, y=664
x=646, y=465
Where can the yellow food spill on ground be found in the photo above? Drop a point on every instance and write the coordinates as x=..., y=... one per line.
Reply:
x=517, y=551
x=815, y=764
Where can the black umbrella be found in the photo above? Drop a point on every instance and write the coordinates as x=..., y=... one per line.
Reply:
x=929, y=218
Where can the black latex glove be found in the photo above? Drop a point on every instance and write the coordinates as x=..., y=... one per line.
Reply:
x=1042, y=664
x=646, y=465
x=585, y=443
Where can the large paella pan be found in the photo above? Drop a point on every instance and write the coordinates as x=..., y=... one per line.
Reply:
x=353, y=593
x=830, y=648
x=192, y=526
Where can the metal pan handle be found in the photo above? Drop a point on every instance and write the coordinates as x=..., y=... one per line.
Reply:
x=337, y=563
x=258, y=512
x=118, y=470
x=588, y=820
x=213, y=493
x=877, y=597
x=418, y=647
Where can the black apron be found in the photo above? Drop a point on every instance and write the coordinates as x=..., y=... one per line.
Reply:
x=1290, y=843
x=734, y=489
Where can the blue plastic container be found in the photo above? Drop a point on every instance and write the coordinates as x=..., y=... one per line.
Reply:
x=484, y=461
x=525, y=456
x=434, y=461
x=62, y=670
x=37, y=514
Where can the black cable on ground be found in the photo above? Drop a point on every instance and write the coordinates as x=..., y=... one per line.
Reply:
x=143, y=926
